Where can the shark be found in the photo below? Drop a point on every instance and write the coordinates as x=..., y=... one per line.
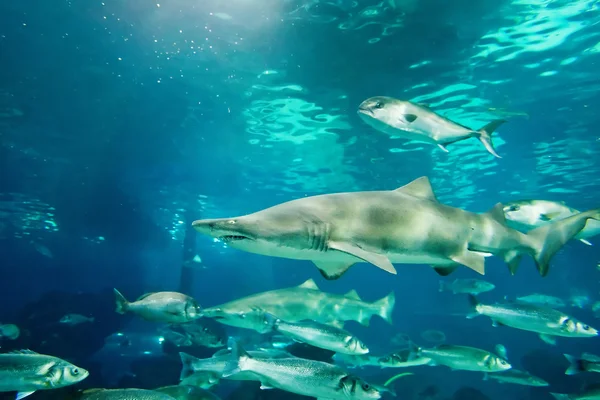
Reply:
x=407, y=225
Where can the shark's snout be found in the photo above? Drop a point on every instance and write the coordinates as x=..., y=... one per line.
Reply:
x=225, y=229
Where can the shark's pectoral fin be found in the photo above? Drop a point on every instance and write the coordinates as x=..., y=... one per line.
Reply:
x=471, y=259
x=332, y=270
x=441, y=146
x=445, y=270
x=513, y=259
x=377, y=260
x=585, y=242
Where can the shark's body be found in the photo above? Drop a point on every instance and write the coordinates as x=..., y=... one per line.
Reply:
x=406, y=226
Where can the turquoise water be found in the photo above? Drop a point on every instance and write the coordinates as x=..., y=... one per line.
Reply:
x=123, y=121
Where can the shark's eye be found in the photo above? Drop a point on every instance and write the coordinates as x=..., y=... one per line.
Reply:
x=379, y=104
x=232, y=221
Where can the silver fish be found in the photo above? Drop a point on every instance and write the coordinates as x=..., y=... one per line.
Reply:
x=406, y=225
x=26, y=371
x=517, y=377
x=586, y=363
x=472, y=286
x=301, y=376
x=418, y=122
x=297, y=303
x=75, y=319
x=123, y=394
x=187, y=392
x=529, y=214
x=201, y=379
x=591, y=394
x=528, y=317
x=402, y=359
x=354, y=361
x=545, y=300
x=319, y=335
x=169, y=307
x=463, y=358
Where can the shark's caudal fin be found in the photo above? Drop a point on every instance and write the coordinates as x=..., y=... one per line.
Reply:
x=576, y=365
x=485, y=135
x=121, y=302
x=548, y=239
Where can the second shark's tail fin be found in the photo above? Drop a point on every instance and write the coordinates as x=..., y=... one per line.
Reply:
x=485, y=135
x=548, y=239
x=121, y=301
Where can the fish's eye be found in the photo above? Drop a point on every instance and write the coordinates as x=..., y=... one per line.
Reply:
x=586, y=328
x=514, y=208
x=365, y=386
x=74, y=371
x=379, y=104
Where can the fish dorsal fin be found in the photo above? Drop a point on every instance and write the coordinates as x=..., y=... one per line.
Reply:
x=142, y=297
x=497, y=213
x=23, y=351
x=420, y=187
x=309, y=284
x=352, y=295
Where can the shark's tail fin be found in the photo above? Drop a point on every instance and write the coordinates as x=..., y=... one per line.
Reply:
x=485, y=135
x=385, y=306
x=548, y=239
x=122, y=303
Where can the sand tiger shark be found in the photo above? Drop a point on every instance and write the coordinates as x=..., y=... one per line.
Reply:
x=407, y=226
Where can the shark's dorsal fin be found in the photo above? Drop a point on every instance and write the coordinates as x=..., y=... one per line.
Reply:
x=420, y=187
x=309, y=284
x=497, y=213
x=352, y=295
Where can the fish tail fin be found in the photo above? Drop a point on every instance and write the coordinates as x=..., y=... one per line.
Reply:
x=549, y=239
x=443, y=286
x=187, y=361
x=560, y=396
x=576, y=365
x=385, y=307
x=485, y=135
x=122, y=303
x=239, y=358
x=473, y=303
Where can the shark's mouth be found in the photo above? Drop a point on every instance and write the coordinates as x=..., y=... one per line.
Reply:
x=233, y=238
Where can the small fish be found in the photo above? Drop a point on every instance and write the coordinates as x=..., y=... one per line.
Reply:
x=586, y=363
x=465, y=286
x=301, y=376
x=75, y=319
x=218, y=362
x=418, y=122
x=26, y=371
x=402, y=359
x=434, y=336
x=579, y=301
x=200, y=334
x=187, y=392
x=500, y=349
x=529, y=214
x=349, y=361
x=169, y=307
x=9, y=331
x=319, y=335
x=462, y=358
x=591, y=394
x=529, y=317
x=542, y=300
x=515, y=376
x=201, y=379
x=123, y=394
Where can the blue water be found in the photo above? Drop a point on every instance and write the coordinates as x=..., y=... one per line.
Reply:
x=123, y=121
